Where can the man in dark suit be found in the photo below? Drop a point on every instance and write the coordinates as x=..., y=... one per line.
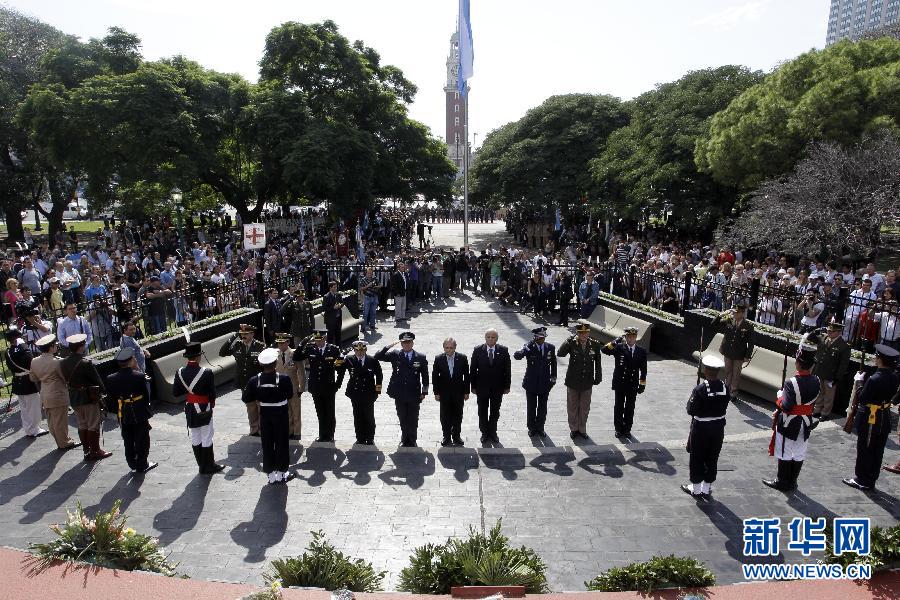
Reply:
x=331, y=308
x=323, y=360
x=491, y=378
x=408, y=385
x=272, y=315
x=363, y=389
x=540, y=376
x=399, y=288
x=629, y=378
x=450, y=376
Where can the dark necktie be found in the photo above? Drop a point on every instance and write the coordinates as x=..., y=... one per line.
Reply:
x=491, y=355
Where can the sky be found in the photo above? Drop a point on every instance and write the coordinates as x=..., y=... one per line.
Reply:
x=525, y=50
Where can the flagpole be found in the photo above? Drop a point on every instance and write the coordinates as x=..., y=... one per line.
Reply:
x=466, y=172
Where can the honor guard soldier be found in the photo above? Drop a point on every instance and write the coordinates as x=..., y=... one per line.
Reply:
x=127, y=390
x=491, y=377
x=873, y=418
x=199, y=387
x=54, y=391
x=792, y=421
x=272, y=391
x=286, y=365
x=707, y=406
x=298, y=316
x=832, y=362
x=450, y=378
x=322, y=359
x=540, y=377
x=736, y=346
x=363, y=388
x=583, y=374
x=629, y=378
x=408, y=385
x=18, y=360
x=85, y=391
x=245, y=350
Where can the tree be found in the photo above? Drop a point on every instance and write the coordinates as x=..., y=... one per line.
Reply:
x=541, y=160
x=834, y=202
x=23, y=44
x=649, y=163
x=837, y=94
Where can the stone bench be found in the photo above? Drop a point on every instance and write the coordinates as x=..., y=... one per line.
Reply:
x=165, y=367
x=349, y=324
x=610, y=324
x=762, y=377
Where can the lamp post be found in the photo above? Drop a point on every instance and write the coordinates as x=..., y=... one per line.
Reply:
x=179, y=218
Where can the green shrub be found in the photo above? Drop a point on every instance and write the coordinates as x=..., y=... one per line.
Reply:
x=104, y=541
x=273, y=592
x=658, y=572
x=324, y=567
x=478, y=560
x=884, y=555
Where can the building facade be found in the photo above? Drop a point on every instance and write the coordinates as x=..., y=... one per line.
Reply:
x=850, y=19
x=455, y=108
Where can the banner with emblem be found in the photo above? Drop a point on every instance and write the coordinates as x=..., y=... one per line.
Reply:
x=254, y=235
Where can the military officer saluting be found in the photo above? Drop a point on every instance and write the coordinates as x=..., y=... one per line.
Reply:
x=298, y=316
x=540, y=376
x=873, y=418
x=408, y=385
x=707, y=406
x=583, y=374
x=127, y=391
x=323, y=360
x=245, y=350
x=363, y=388
x=736, y=346
x=629, y=378
x=286, y=365
x=199, y=387
x=272, y=391
x=18, y=360
x=832, y=362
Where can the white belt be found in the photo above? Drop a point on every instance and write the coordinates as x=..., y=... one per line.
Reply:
x=704, y=419
x=282, y=403
x=20, y=374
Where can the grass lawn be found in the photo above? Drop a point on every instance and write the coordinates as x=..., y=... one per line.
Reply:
x=80, y=227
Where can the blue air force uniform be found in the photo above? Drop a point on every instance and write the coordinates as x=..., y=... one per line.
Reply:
x=409, y=382
x=363, y=389
x=540, y=376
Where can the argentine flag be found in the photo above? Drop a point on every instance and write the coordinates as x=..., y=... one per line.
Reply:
x=466, y=53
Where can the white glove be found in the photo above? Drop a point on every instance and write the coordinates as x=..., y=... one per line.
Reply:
x=860, y=376
x=830, y=384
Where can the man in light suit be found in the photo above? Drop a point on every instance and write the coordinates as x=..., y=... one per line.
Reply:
x=491, y=379
x=408, y=386
x=286, y=365
x=450, y=377
x=46, y=370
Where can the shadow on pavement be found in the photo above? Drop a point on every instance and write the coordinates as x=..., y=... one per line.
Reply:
x=56, y=494
x=652, y=453
x=184, y=513
x=269, y=523
x=558, y=457
x=410, y=468
x=508, y=462
x=360, y=465
x=319, y=459
x=460, y=462
x=23, y=482
x=610, y=458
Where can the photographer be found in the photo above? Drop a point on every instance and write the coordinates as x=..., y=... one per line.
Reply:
x=810, y=308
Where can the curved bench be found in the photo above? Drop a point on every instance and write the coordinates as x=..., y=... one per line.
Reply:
x=165, y=367
x=610, y=324
x=762, y=377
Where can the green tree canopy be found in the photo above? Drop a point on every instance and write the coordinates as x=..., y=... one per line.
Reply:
x=650, y=162
x=837, y=94
x=541, y=160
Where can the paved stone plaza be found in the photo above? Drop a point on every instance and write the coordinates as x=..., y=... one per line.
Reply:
x=583, y=507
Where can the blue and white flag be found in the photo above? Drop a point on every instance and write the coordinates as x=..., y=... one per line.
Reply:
x=466, y=53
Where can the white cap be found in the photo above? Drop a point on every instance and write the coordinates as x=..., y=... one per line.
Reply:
x=713, y=362
x=268, y=356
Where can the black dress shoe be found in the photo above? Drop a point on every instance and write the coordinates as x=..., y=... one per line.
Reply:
x=494, y=438
x=532, y=433
x=775, y=485
x=542, y=433
x=149, y=467
x=852, y=482
x=458, y=442
x=446, y=442
x=325, y=440
x=573, y=435
x=485, y=439
x=619, y=434
x=295, y=436
x=254, y=433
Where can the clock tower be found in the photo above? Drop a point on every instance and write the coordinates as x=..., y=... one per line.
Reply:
x=455, y=107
